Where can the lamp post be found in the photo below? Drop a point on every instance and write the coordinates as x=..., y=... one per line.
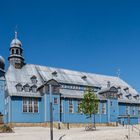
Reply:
x=50, y=84
x=51, y=113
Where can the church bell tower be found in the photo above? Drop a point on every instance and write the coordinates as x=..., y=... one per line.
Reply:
x=16, y=53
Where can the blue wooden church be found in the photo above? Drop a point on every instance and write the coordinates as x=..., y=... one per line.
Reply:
x=25, y=94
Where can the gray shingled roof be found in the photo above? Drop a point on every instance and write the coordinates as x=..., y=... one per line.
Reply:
x=43, y=73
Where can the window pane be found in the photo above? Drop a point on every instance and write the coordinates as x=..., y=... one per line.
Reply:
x=79, y=109
x=30, y=105
x=36, y=105
x=25, y=105
x=103, y=108
x=70, y=106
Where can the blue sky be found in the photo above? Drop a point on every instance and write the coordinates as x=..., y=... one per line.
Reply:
x=87, y=35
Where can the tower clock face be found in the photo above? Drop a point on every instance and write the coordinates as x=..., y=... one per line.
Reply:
x=18, y=65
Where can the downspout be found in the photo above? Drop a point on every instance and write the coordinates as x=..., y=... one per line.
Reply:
x=9, y=108
x=45, y=102
x=108, y=110
x=60, y=108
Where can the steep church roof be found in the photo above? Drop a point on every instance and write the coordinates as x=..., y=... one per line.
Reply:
x=43, y=73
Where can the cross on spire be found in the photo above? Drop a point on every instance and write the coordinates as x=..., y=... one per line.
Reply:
x=16, y=34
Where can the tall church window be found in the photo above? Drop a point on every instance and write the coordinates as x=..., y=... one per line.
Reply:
x=78, y=106
x=103, y=108
x=30, y=105
x=25, y=105
x=139, y=110
x=127, y=110
x=133, y=110
x=36, y=105
x=70, y=106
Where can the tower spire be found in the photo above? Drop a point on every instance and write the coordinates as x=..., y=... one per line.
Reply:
x=16, y=53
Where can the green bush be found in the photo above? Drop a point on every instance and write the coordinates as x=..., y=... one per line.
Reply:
x=5, y=129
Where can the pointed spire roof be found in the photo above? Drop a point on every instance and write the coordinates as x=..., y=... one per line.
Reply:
x=16, y=42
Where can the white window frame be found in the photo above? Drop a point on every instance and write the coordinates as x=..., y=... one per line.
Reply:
x=32, y=104
x=127, y=110
x=103, y=108
x=78, y=106
x=133, y=110
x=138, y=109
x=71, y=106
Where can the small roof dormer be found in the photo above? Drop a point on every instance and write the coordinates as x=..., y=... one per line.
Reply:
x=54, y=74
x=26, y=88
x=136, y=96
x=126, y=89
x=84, y=77
x=19, y=87
x=33, y=88
x=34, y=79
x=108, y=84
x=129, y=96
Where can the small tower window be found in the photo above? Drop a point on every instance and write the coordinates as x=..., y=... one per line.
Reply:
x=19, y=87
x=26, y=88
x=34, y=79
x=12, y=51
x=17, y=51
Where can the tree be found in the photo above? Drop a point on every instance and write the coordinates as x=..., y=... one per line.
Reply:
x=89, y=104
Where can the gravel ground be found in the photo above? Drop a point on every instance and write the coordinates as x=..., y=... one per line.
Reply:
x=41, y=133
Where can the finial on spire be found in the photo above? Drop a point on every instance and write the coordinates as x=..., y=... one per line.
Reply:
x=118, y=73
x=16, y=34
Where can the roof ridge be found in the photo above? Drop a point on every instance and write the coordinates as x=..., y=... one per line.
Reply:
x=82, y=72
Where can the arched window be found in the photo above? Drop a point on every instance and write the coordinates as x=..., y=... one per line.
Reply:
x=12, y=51
x=17, y=51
